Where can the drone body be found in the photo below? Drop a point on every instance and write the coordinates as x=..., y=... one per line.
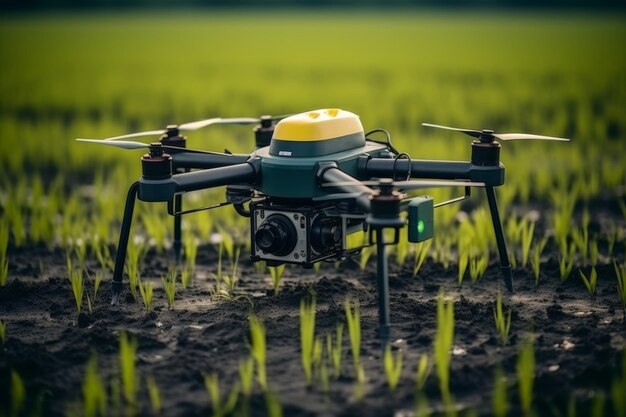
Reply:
x=315, y=178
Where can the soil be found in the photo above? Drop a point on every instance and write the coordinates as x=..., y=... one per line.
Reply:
x=579, y=338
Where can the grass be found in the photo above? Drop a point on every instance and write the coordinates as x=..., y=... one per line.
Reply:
x=3, y=331
x=393, y=367
x=18, y=394
x=146, y=291
x=502, y=321
x=620, y=275
x=128, y=372
x=421, y=251
x=169, y=286
x=442, y=345
x=246, y=375
x=307, y=337
x=499, y=404
x=334, y=350
x=93, y=390
x=535, y=259
x=353, y=318
x=276, y=273
x=590, y=283
x=78, y=287
x=156, y=405
x=220, y=409
x=525, y=367
x=4, y=259
x=423, y=370
x=258, y=349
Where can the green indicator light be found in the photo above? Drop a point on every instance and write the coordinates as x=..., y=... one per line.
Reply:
x=420, y=226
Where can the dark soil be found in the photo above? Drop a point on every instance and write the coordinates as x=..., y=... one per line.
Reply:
x=579, y=339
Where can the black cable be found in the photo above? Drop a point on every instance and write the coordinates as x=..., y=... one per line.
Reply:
x=388, y=143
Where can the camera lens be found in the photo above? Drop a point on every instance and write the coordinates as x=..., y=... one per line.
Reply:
x=277, y=235
x=325, y=234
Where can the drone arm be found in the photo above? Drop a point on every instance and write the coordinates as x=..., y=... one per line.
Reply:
x=491, y=175
x=192, y=160
x=246, y=172
x=332, y=174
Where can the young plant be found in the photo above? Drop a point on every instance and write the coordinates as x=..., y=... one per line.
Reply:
x=212, y=385
x=334, y=351
x=231, y=280
x=190, y=245
x=258, y=349
x=620, y=274
x=353, y=318
x=97, y=280
x=478, y=266
x=155, y=395
x=499, y=403
x=17, y=394
x=423, y=369
x=566, y=263
x=169, y=286
x=276, y=272
x=186, y=276
x=526, y=375
x=272, y=405
x=361, y=380
x=4, y=259
x=421, y=251
x=590, y=283
x=146, y=291
x=527, y=232
x=535, y=259
x=133, y=259
x=307, y=337
x=77, y=281
x=93, y=389
x=3, y=331
x=503, y=323
x=246, y=375
x=128, y=372
x=442, y=345
x=393, y=367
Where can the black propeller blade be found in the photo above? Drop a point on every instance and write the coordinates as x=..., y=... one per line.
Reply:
x=126, y=144
x=489, y=135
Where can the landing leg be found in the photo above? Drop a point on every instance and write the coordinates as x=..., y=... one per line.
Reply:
x=497, y=228
x=120, y=258
x=383, y=288
x=178, y=206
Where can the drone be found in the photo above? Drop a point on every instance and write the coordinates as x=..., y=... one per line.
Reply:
x=314, y=178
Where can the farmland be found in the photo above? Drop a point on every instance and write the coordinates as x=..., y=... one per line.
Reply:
x=180, y=336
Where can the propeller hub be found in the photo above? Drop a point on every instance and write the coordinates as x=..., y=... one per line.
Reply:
x=156, y=150
x=486, y=136
x=266, y=121
x=172, y=131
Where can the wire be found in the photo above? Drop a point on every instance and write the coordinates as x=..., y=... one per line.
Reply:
x=388, y=143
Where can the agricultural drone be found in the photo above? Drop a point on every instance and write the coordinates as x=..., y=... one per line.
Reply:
x=314, y=178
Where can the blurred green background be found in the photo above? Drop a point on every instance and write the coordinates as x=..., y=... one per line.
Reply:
x=68, y=74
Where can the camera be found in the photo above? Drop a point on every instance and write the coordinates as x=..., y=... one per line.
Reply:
x=295, y=234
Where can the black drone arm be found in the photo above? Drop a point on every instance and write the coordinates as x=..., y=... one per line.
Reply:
x=491, y=175
x=330, y=173
x=193, y=160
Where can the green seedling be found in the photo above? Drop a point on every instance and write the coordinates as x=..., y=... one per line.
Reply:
x=566, y=263
x=246, y=375
x=186, y=276
x=307, y=337
x=18, y=394
x=93, y=389
x=421, y=251
x=393, y=367
x=232, y=279
x=423, y=370
x=365, y=255
x=276, y=272
x=499, y=402
x=77, y=281
x=590, y=283
x=478, y=266
x=190, y=246
x=272, y=405
x=580, y=236
x=155, y=229
x=97, y=280
x=128, y=372
x=334, y=350
x=324, y=376
x=169, y=286
x=212, y=385
x=146, y=291
x=133, y=259
x=620, y=274
x=80, y=251
x=154, y=394
x=353, y=318
x=4, y=259
x=527, y=232
x=535, y=259
x=258, y=349
x=361, y=380
x=463, y=262
x=594, y=253
x=526, y=375
x=3, y=331
x=442, y=345
x=503, y=322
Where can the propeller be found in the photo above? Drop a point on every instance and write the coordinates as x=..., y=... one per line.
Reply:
x=406, y=185
x=199, y=124
x=487, y=135
x=127, y=144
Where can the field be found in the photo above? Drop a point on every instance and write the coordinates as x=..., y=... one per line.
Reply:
x=65, y=351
